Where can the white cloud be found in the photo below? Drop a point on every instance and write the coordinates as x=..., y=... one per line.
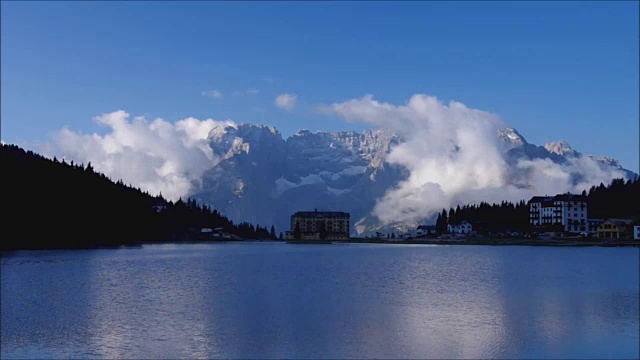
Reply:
x=215, y=94
x=453, y=157
x=286, y=101
x=156, y=156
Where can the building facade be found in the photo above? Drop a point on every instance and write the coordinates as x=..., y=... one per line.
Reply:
x=593, y=224
x=615, y=229
x=462, y=227
x=636, y=232
x=567, y=212
x=426, y=230
x=319, y=225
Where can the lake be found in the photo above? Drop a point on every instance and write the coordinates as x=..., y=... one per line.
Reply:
x=276, y=300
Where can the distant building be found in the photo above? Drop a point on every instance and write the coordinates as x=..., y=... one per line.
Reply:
x=319, y=225
x=636, y=232
x=567, y=212
x=462, y=227
x=592, y=225
x=217, y=233
x=426, y=230
x=615, y=229
x=409, y=234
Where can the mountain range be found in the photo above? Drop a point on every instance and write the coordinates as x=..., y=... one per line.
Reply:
x=264, y=178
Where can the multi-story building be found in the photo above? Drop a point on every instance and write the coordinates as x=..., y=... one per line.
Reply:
x=319, y=225
x=566, y=212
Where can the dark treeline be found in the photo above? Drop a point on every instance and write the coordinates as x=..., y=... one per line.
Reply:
x=54, y=204
x=505, y=216
x=616, y=200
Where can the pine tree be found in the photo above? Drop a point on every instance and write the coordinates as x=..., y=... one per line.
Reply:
x=442, y=225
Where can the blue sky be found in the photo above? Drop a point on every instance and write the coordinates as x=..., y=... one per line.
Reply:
x=552, y=70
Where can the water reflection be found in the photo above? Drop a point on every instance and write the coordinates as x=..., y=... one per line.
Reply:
x=144, y=310
x=295, y=301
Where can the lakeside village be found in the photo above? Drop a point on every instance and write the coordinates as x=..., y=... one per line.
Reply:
x=553, y=220
x=561, y=218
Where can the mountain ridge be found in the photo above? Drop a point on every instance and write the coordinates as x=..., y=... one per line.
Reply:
x=264, y=177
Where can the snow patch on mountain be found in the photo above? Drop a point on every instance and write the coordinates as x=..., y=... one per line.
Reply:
x=283, y=185
x=353, y=170
x=334, y=191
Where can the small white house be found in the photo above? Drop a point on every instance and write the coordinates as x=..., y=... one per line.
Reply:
x=462, y=227
x=636, y=232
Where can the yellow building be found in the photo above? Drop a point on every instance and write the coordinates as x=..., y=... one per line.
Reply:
x=615, y=229
x=319, y=225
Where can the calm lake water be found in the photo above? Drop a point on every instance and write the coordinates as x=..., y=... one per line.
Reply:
x=275, y=300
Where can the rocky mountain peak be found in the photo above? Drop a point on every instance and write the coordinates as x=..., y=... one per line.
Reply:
x=561, y=148
x=511, y=136
x=242, y=138
x=609, y=161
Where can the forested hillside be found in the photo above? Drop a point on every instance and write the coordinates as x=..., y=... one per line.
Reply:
x=53, y=204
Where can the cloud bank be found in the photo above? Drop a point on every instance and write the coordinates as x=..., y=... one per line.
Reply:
x=157, y=156
x=286, y=101
x=454, y=157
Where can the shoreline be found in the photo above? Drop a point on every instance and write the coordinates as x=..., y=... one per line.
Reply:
x=630, y=243
x=502, y=242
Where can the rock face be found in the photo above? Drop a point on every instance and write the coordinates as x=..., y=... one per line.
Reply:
x=264, y=178
x=560, y=148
